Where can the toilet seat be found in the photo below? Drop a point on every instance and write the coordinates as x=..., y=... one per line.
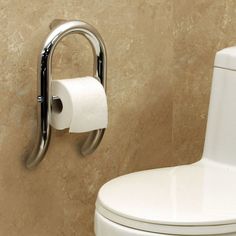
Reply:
x=196, y=199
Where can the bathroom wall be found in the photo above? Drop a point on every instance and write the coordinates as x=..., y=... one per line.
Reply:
x=200, y=28
x=160, y=55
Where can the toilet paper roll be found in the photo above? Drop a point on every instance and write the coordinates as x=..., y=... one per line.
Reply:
x=81, y=107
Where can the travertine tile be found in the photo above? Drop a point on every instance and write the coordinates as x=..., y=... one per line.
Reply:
x=160, y=56
x=58, y=197
x=200, y=29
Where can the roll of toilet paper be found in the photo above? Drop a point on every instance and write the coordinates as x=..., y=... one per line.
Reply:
x=81, y=105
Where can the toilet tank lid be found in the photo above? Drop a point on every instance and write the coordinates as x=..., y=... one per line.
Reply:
x=226, y=58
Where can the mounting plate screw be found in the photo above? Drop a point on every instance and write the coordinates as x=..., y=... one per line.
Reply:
x=40, y=99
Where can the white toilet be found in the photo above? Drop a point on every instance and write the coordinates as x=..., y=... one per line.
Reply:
x=196, y=199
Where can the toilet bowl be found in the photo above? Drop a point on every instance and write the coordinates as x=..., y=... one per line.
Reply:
x=195, y=199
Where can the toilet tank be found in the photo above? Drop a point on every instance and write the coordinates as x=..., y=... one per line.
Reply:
x=220, y=142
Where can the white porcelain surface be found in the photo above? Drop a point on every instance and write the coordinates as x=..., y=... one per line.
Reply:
x=105, y=227
x=220, y=143
x=196, y=199
x=226, y=58
x=200, y=194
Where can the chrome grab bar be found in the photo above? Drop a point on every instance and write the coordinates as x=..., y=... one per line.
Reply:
x=59, y=31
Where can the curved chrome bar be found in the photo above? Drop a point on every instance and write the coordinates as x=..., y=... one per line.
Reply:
x=44, y=87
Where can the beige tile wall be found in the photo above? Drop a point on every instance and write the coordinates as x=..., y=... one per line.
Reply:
x=160, y=55
x=200, y=29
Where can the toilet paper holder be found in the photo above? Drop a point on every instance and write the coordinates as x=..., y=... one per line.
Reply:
x=60, y=29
